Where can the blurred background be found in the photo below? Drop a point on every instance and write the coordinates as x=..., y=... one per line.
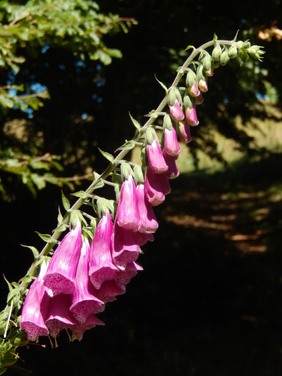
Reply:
x=209, y=299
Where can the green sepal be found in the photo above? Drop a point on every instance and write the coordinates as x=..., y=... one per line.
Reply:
x=45, y=237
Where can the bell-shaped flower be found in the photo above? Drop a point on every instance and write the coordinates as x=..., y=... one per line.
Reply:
x=125, y=276
x=171, y=145
x=101, y=265
x=109, y=291
x=156, y=187
x=125, y=248
x=78, y=330
x=148, y=221
x=176, y=111
x=84, y=303
x=127, y=215
x=173, y=171
x=191, y=117
x=60, y=275
x=59, y=316
x=184, y=132
x=35, y=308
x=155, y=157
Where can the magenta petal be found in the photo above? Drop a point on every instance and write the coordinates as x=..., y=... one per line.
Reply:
x=155, y=157
x=35, y=308
x=124, y=246
x=126, y=275
x=79, y=329
x=171, y=144
x=173, y=171
x=156, y=187
x=127, y=210
x=148, y=222
x=59, y=316
x=176, y=111
x=109, y=290
x=191, y=116
x=101, y=266
x=60, y=275
x=184, y=132
x=84, y=303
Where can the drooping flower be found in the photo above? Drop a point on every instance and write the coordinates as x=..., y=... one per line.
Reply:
x=184, y=132
x=171, y=144
x=156, y=187
x=101, y=265
x=127, y=215
x=191, y=116
x=109, y=291
x=176, y=111
x=125, y=247
x=35, y=308
x=173, y=171
x=60, y=275
x=125, y=276
x=84, y=303
x=155, y=157
x=59, y=316
x=148, y=221
x=78, y=329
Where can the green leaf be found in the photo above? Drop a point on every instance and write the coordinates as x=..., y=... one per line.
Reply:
x=34, y=251
x=45, y=237
x=107, y=155
x=135, y=123
x=65, y=201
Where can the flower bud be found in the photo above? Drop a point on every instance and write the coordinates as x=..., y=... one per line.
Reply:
x=232, y=52
x=174, y=95
x=190, y=78
x=187, y=102
x=176, y=111
x=167, y=123
x=191, y=116
x=216, y=53
x=224, y=58
x=207, y=63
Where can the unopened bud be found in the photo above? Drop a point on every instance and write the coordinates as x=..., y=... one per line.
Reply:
x=138, y=174
x=174, y=95
x=190, y=78
x=232, y=52
x=207, y=63
x=224, y=58
x=216, y=53
x=187, y=102
x=151, y=135
x=125, y=170
x=167, y=123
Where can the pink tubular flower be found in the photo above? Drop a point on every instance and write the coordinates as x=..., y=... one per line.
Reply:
x=35, y=308
x=84, y=303
x=176, y=111
x=125, y=276
x=171, y=145
x=155, y=157
x=148, y=222
x=78, y=330
x=156, y=187
x=101, y=266
x=191, y=116
x=173, y=171
x=59, y=316
x=127, y=215
x=184, y=132
x=125, y=247
x=109, y=290
x=60, y=275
